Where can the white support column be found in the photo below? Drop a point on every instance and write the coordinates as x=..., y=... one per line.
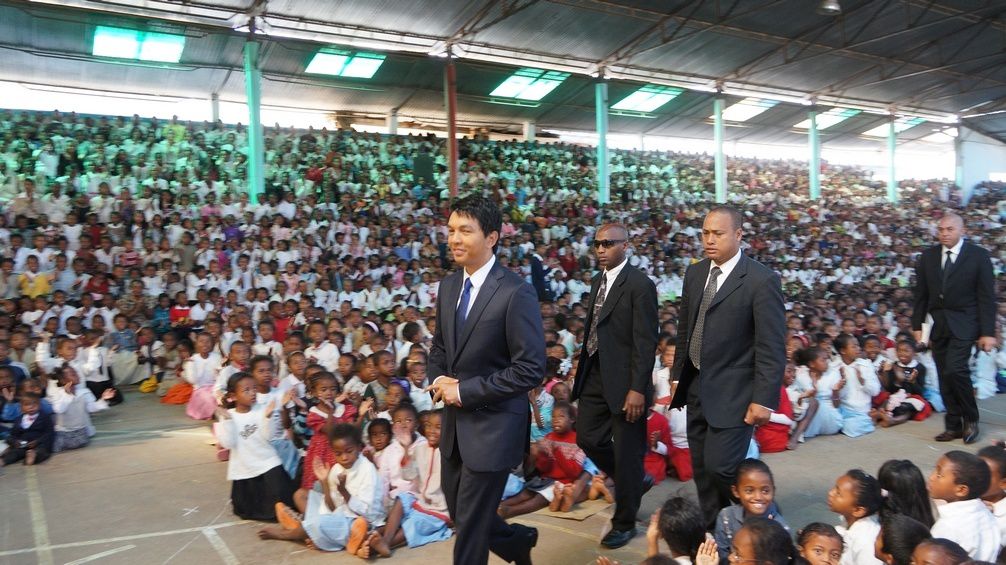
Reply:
x=530, y=130
x=392, y=122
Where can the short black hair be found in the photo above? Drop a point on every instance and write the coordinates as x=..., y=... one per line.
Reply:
x=736, y=218
x=771, y=541
x=566, y=407
x=681, y=526
x=817, y=529
x=378, y=423
x=347, y=432
x=753, y=466
x=483, y=211
x=900, y=534
x=843, y=341
x=954, y=553
x=405, y=406
x=970, y=471
x=995, y=454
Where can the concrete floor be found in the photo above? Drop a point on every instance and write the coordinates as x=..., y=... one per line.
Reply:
x=149, y=490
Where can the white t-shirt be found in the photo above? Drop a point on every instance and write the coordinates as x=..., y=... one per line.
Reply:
x=247, y=436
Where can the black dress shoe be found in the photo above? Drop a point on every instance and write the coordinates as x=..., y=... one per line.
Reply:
x=617, y=538
x=949, y=436
x=970, y=433
x=528, y=537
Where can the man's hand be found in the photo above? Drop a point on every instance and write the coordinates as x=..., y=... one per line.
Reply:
x=445, y=389
x=633, y=406
x=918, y=336
x=757, y=415
x=987, y=343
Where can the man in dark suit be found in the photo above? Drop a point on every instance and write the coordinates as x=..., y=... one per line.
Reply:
x=614, y=382
x=731, y=355
x=954, y=283
x=488, y=352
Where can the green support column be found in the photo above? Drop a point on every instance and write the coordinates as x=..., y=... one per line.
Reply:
x=256, y=150
x=815, y=156
x=603, y=175
x=721, y=161
x=892, y=183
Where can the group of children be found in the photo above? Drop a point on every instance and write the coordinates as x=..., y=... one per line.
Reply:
x=898, y=517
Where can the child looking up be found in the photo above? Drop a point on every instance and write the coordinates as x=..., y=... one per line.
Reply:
x=258, y=480
x=351, y=500
x=856, y=498
x=820, y=544
x=679, y=523
x=960, y=479
x=939, y=551
x=899, y=536
x=755, y=488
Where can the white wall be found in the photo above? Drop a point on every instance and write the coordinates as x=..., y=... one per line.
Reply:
x=979, y=158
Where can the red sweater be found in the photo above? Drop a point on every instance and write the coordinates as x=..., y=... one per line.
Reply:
x=559, y=457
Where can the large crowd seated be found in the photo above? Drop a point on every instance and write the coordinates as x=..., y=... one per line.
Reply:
x=132, y=258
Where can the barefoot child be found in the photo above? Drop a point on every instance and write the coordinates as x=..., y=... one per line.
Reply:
x=325, y=412
x=350, y=501
x=417, y=518
x=258, y=480
x=556, y=457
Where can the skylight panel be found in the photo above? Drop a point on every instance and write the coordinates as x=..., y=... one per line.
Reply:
x=529, y=84
x=648, y=98
x=339, y=63
x=827, y=119
x=900, y=125
x=746, y=109
x=123, y=43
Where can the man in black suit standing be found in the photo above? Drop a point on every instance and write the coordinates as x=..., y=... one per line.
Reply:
x=488, y=352
x=954, y=283
x=731, y=355
x=614, y=378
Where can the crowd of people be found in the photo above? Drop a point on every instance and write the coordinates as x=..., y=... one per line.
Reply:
x=133, y=258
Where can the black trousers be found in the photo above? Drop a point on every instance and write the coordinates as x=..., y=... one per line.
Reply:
x=15, y=454
x=97, y=388
x=472, y=499
x=616, y=446
x=716, y=453
x=951, y=356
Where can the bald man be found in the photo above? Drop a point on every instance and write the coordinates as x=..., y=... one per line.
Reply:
x=954, y=283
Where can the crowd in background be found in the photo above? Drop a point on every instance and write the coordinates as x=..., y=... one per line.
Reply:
x=131, y=254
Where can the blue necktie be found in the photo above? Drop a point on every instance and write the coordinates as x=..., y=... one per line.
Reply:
x=462, y=314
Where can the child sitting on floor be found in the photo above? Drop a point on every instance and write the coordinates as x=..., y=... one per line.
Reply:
x=960, y=479
x=420, y=517
x=902, y=396
x=31, y=437
x=679, y=523
x=856, y=498
x=258, y=480
x=73, y=402
x=350, y=501
x=563, y=465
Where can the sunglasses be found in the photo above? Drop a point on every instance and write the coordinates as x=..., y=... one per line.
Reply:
x=607, y=243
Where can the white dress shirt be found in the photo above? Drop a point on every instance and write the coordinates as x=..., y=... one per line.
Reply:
x=955, y=252
x=478, y=278
x=610, y=276
x=725, y=270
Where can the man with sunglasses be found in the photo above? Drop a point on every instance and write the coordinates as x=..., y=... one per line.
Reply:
x=731, y=355
x=614, y=377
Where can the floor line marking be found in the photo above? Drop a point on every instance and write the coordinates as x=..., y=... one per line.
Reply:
x=218, y=544
x=48, y=547
x=39, y=525
x=101, y=555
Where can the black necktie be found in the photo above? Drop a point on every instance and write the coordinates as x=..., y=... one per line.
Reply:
x=946, y=266
x=462, y=313
x=598, y=303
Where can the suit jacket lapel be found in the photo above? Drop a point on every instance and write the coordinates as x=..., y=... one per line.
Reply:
x=695, y=293
x=485, y=295
x=733, y=281
x=960, y=257
x=613, y=294
x=451, y=295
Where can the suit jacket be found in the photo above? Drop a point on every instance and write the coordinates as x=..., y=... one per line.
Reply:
x=499, y=358
x=41, y=430
x=743, y=344
x=626, y=337
x=967, y=304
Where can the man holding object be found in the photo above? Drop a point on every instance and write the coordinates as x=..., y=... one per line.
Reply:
x=954, y=283
x=488, y=352
x=730, y=358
